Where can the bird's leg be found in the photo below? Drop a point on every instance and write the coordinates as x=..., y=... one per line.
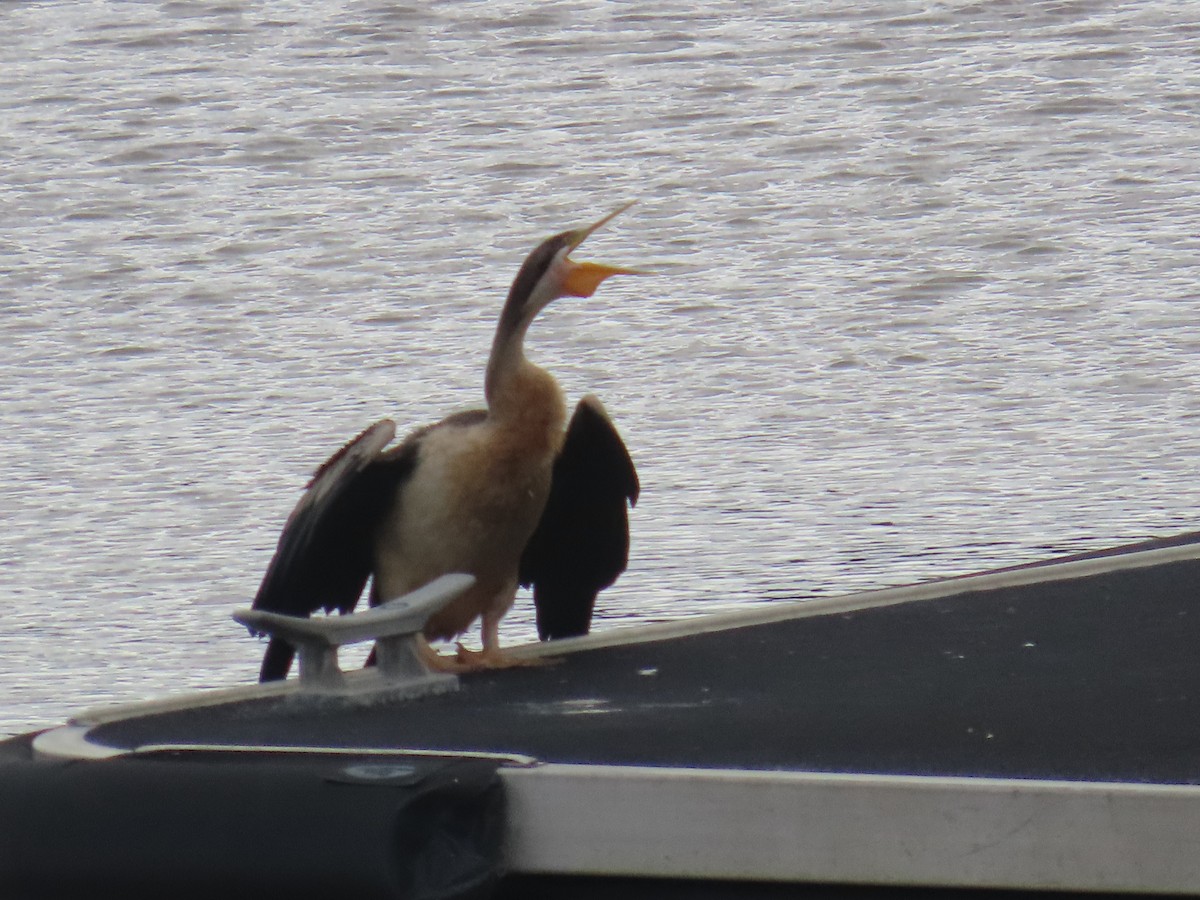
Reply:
x=489, y=628
x=491, y=656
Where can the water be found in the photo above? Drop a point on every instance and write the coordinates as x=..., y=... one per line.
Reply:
x=925, y=303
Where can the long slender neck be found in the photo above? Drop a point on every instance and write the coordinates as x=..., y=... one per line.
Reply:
x=507, y=358
x=518, y=392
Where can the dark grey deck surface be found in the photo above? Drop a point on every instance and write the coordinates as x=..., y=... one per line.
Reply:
x=1095, y=679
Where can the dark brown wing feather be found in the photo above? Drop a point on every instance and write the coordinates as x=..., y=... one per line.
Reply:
x=581, y=543
x=324, y=555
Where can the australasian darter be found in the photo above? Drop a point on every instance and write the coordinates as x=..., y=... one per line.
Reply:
x=502, y=493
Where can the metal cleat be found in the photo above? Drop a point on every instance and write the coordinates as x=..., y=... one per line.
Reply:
x=395, y=626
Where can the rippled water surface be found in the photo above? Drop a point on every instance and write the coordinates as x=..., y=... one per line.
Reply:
x=925, y=297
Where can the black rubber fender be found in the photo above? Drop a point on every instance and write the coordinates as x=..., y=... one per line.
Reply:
x=249, y=824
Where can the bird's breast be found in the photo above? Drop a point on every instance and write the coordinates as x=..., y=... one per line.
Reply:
x=473, y=500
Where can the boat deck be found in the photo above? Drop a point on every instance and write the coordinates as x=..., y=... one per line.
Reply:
x=1089, y=678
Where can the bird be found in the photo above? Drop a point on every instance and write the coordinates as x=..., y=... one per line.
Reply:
x=509, y=493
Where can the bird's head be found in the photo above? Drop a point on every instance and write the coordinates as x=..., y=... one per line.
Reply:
x=549, y=273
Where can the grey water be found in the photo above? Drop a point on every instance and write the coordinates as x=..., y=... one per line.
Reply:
x=924, y=297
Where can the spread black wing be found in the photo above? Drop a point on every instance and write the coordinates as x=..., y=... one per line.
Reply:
x=324, y=556
x=581, y=543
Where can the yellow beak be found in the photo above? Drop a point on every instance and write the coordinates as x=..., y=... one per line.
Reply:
x=584, y=277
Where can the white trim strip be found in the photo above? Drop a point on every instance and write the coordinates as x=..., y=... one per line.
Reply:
x=512, y=759
x=72, y=742
x=807, y=827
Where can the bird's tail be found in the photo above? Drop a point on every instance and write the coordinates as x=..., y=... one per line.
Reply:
x=563, y=610
x=276, y=661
